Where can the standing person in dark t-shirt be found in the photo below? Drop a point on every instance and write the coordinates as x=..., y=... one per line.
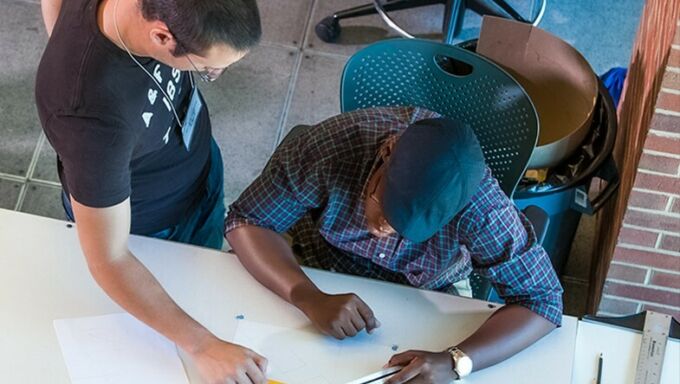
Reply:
x=119, y=104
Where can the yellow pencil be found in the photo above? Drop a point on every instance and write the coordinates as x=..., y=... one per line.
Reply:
x=274, y=382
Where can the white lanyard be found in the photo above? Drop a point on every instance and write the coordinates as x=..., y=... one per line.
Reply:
x=191, y=78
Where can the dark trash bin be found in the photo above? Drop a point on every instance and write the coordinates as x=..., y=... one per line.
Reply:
x=564, y=195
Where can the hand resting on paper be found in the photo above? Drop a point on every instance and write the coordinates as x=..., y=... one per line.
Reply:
x=340, y=316
x=422, y=367
x=505, y=333
x=221, y=362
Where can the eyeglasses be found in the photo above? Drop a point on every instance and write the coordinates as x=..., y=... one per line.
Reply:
x=207, y=75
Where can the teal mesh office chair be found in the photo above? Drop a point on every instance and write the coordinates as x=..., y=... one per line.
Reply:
x=456, y=83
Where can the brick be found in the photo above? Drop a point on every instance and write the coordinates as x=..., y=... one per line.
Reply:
x=617, y=307
x=675, y=312
x=675, y=207
x=663, y=279
x=647, y=200
x=647, y=258
x=665, y=123
x=671, y=80
x=670, y=243
x=668, y=101
x=666, y=184
x=674, y=58
x=638, y=237
x=661, y=164
x=652, y=220
x=642, y=293
x=662, y=144
x=626, y=273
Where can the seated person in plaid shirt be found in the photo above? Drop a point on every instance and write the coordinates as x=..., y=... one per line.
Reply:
x=402, y=195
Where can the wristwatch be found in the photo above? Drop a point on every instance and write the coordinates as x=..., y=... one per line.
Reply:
x=462, y=364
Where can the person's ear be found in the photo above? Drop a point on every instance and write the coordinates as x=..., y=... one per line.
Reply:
x=162, y=37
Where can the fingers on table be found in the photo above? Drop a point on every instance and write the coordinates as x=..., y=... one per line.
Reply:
x=367, y=316
x=403, y=358
x=337, y=331
x=409, y=372
x=261, y=362
x=255, y=374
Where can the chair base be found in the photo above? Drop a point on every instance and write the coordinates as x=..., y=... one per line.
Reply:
x=329, y=28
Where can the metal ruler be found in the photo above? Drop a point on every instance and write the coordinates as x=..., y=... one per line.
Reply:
x=378, y=377
x=652, y=348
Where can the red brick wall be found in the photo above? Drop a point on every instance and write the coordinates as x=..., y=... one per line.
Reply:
x=645, y=271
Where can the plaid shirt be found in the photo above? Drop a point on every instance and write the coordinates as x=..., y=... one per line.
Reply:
x=313, y=185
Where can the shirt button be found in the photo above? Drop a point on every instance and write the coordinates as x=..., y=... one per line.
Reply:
x=381, y=255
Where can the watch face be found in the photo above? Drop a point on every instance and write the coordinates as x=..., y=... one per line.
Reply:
x=463, y=366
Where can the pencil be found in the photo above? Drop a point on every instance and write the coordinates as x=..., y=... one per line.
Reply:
x=599, y=370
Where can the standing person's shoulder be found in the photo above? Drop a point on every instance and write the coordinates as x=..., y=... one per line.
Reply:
x=82, y=72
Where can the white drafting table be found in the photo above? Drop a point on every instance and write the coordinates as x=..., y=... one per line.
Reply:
x=620, y=348
x=43, y=276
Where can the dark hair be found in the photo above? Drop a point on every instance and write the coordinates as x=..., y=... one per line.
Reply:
x=199, y=24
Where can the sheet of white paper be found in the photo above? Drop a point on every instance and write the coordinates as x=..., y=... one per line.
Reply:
x=620, y=349
x=117, y=349
x=303, y=356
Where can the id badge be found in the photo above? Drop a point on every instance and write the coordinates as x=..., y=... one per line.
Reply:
x=190, y=119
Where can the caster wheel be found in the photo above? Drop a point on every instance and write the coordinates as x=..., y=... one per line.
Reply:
x=328, y=29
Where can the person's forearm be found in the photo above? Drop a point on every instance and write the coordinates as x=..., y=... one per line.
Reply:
x=130, y=284
x=508, y=331
x=50, y=12
x=269, y=258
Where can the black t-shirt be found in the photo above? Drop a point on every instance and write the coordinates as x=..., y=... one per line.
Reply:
x=113, y=129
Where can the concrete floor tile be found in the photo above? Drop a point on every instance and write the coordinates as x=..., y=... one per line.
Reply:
x=284, y=21
x=316, y=95
x=22, y=39
x=44, y=201
x=9, y=193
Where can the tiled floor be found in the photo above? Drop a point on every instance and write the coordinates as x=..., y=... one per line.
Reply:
x=291, y=78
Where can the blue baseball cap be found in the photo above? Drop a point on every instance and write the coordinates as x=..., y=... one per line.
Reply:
x=433, y=172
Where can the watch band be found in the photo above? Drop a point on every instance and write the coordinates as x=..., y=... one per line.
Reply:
x=462, y=364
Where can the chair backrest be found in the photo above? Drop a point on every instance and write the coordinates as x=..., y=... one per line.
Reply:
x=411, y=72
